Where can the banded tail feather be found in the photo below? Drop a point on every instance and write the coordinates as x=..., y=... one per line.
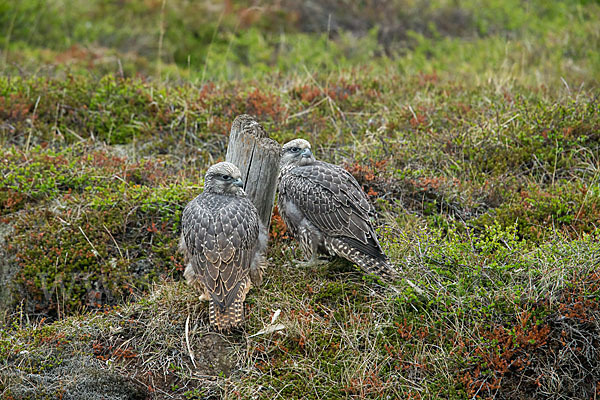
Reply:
x=231, y=316
x=228, y=318
x=372, y=264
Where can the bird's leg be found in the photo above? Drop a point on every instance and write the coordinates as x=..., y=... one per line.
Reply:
x=312, y=262
x=311, y=250
x=309, y=241
x=193, y=280
x=204, y=297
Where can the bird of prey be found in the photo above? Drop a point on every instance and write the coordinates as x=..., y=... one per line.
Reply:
x=223, y=243
x=327, y=211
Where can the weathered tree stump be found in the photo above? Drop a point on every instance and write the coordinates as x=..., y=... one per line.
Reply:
x=257, y=157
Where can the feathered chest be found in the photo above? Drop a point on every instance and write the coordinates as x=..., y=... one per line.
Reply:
x=214, y=203
x=223, y=218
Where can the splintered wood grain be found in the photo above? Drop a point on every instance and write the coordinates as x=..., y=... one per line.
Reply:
x=257, y=157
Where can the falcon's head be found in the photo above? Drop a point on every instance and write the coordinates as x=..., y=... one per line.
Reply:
x=296, y=152
x=224, y=178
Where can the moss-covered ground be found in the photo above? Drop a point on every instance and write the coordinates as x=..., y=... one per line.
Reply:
x=474, y=127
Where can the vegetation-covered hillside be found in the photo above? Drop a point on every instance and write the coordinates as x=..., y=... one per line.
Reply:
x=474, y=127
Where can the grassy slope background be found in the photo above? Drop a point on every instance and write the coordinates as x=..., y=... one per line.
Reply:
x=474, y=129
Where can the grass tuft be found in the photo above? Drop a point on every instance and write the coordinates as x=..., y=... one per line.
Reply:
x=473, y=129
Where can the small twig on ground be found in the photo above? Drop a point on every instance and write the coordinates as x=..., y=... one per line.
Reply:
x=187, y=340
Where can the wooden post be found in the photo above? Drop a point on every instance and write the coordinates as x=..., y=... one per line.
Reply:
x=257, y=157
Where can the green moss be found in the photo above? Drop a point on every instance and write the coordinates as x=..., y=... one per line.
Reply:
x=123, y=236
x=479, y=154
x=538, y=212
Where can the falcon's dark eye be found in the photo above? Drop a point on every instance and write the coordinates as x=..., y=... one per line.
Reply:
x=295, y=149
x=226, y=177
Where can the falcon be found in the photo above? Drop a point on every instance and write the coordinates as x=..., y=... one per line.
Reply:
x=326, y=210
x=223, y=242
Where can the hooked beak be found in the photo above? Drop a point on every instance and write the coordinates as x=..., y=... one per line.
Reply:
x=306, y=153
x=238, y=182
